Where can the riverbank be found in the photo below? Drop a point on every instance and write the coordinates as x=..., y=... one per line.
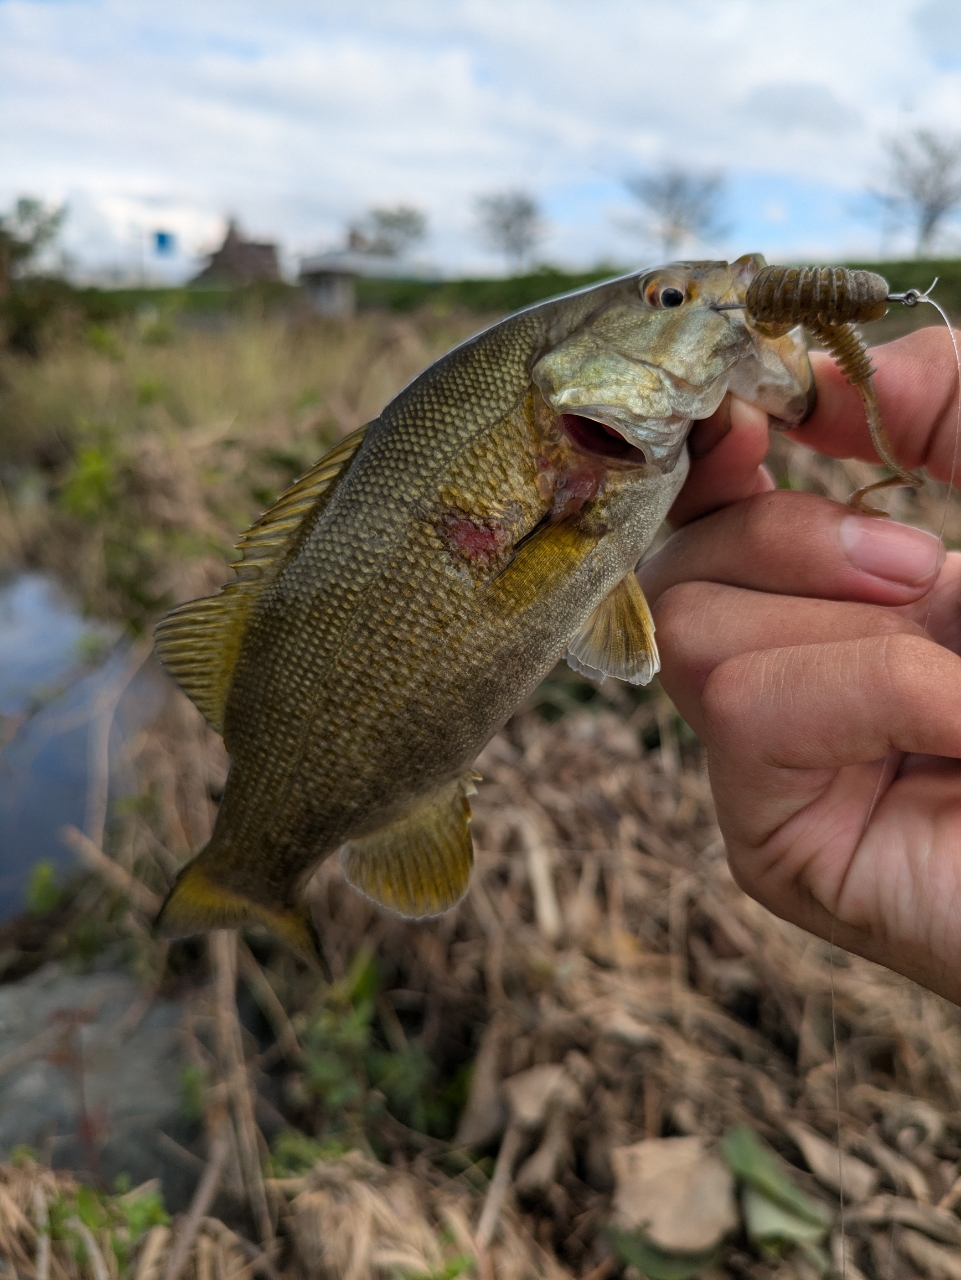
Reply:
x=476, y=1095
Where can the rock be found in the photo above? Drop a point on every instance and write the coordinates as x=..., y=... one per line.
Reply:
x=675, y=1190
x=62, y=1037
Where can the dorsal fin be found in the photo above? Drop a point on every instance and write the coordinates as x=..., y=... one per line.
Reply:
x=199, y=642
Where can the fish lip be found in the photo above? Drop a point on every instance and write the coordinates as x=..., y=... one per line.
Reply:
x=660, y=441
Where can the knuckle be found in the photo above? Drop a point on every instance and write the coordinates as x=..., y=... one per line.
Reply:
x=727, y=698
x=903, y=651
x=680, y=604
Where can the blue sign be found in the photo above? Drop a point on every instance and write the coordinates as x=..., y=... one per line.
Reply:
x=164, y=242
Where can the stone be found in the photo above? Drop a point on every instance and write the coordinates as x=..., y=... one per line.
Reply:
x=62, y=1039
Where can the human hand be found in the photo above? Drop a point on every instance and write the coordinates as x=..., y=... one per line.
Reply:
x=815, y=651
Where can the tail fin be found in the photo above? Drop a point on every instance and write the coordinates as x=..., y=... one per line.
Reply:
x=197, y=903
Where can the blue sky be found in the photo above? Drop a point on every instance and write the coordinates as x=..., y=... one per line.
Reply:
x=298, y=116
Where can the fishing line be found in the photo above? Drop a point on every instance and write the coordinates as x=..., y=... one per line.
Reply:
x=834, y=1041
x=913, y=302
x=910, y=298
x=837, y=1102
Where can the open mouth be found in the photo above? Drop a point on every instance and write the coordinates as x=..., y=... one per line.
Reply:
x=600, y=441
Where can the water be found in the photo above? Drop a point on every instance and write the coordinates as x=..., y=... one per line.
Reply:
x=55, y=670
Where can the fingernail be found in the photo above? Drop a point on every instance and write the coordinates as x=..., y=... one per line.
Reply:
x=896, y=552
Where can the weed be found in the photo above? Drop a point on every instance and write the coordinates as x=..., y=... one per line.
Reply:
x=354, y=1064
x=294, y=1153
x=457, y=1266
x=43, y=892
x=120, y=1219
x=193, y=1091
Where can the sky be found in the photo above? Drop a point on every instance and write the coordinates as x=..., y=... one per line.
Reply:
x=298, y=115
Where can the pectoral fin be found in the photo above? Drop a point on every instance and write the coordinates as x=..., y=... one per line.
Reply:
x=419, y=865
x=618, y=638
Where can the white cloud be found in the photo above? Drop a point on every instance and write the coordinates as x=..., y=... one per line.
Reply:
x=296, y=116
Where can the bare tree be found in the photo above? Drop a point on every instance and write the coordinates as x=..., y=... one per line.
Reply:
x=390, y=232
x=679, y=206
x=923, y=183
x=511, y=223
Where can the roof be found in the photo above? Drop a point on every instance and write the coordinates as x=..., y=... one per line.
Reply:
x=240, y=261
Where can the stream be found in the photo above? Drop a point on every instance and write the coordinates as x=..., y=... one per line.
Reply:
x=58, y=677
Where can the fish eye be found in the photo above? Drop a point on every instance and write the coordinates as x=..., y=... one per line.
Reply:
x=664, y=294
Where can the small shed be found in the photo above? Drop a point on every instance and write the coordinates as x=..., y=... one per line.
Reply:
x=240, y=261
x=329, y=279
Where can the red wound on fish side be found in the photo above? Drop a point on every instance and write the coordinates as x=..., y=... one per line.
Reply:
x=480, y=541
x=575, y=489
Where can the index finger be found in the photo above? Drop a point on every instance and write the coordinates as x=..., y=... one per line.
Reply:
x=917, y=386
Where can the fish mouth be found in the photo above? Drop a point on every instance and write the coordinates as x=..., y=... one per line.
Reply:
x=622, y=437
x=600, y=441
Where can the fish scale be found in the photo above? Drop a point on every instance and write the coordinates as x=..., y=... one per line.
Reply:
x=410, y=591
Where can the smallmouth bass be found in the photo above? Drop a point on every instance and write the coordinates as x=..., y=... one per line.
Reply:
x=396, y=604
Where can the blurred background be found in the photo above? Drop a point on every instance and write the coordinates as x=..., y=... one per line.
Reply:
x=229, y=234
x=152, y=125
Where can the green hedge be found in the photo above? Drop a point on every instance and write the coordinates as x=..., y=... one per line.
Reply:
x=918, y=273
x=478, y=295
x=35, y=305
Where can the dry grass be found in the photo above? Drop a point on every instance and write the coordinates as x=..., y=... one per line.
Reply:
x=603, y=940
x=128, y=467
x=602, y=937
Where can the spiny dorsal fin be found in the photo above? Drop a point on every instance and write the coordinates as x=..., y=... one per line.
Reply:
x=199, y=642
x=419, y=865
x=618, y=638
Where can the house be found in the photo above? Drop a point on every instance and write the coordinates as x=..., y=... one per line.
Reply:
x=239, y=261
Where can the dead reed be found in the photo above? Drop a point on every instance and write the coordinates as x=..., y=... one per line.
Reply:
x=460, y=1096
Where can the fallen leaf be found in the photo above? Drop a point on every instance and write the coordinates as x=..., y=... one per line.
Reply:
x=675, y=1190
x=937, y=1223
x=757, y=1165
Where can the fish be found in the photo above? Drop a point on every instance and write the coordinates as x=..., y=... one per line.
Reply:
x=393, y=608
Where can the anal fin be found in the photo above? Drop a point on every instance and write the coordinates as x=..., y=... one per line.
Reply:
x=419, y=865
x=618, y=638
